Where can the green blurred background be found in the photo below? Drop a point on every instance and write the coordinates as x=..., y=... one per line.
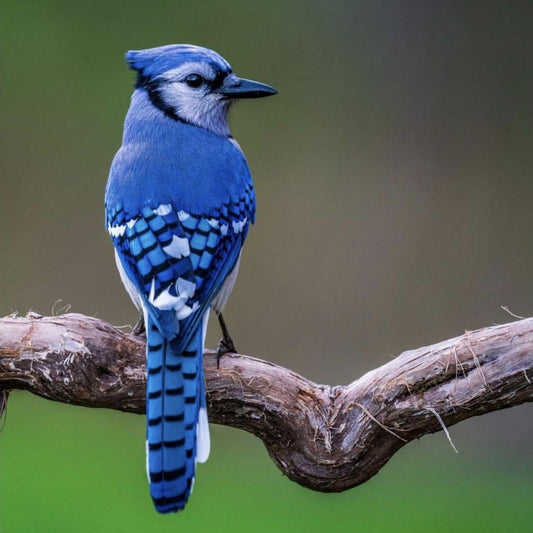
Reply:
x=393, y=175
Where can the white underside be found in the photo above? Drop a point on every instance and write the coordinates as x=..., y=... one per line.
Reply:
x=221, y=298
x=129, y=286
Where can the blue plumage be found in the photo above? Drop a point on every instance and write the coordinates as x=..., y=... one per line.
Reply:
x=179, y=203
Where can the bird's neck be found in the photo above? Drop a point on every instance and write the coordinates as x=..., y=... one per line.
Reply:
x=146, y=121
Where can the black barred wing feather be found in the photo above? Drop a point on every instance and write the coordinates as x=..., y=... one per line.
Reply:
x=178, y=261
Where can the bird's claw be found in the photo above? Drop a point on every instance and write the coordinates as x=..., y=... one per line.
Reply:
x=225, y=345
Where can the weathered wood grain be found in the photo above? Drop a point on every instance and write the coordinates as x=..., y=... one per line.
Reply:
x=327, y=438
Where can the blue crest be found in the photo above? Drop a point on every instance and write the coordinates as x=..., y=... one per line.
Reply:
x=153, y=62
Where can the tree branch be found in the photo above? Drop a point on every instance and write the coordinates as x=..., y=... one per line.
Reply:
x=325, y=438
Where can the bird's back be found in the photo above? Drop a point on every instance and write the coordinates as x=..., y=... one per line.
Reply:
x=162, y=160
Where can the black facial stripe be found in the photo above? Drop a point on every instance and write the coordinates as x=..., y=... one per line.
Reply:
x=141, y=81
x=153, y=89
x=154, y=93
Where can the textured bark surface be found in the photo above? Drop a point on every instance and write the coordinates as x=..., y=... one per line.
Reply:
x=327, y=438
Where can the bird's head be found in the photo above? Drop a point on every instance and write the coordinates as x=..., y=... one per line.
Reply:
x=192, y=84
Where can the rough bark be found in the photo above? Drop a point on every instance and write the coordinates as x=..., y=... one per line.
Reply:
x=327, y=438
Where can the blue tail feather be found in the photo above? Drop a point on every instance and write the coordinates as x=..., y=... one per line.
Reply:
x=175, y=393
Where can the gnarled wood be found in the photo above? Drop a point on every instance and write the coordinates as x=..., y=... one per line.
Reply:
x=325, y=438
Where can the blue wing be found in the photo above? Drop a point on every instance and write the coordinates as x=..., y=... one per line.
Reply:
x=178, y=261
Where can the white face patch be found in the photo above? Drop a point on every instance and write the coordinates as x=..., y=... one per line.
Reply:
x=195, y=105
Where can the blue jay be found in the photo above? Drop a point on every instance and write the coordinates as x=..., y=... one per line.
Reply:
x=179, y=202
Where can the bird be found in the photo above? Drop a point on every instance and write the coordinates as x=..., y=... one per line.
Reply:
x=179, y=202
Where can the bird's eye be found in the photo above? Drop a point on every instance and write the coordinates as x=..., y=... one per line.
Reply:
x=194, y=80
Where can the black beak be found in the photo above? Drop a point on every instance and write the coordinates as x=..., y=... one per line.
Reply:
x=240, y=88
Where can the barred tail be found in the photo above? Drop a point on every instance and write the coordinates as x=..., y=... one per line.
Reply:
x=177, y=429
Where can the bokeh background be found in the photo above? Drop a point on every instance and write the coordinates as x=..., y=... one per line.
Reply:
x=393, y=175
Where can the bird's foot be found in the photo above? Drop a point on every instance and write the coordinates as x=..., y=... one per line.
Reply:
x=139, y=329
x=226, y=344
